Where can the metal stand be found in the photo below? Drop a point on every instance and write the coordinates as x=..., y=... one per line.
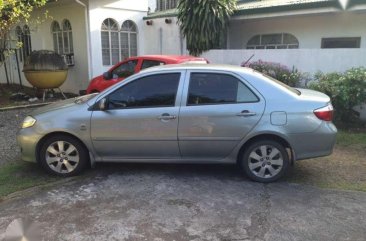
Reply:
x=45, y=91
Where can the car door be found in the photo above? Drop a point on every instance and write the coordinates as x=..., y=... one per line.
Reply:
x=218, y=110
x=140, y=121
x=120, y=72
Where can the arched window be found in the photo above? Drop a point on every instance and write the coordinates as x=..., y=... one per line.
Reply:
x=273, y=41
x=110, y=42
x=67, y=37
x=128, y=39
x=27, y=43
x=19, y=36
x=57, y=37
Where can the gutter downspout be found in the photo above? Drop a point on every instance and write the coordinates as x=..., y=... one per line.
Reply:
x=88, y=41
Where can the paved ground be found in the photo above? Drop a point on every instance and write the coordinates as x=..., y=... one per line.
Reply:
x=187, y=202
x=9, y=124
x=179, y=202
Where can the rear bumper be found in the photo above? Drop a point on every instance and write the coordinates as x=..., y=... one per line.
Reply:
x=315, y=144
x=27, y=140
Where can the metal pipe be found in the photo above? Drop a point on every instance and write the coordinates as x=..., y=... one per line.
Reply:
x=20, y=77
x=6, y=70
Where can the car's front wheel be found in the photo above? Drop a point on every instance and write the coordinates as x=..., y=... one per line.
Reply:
x=265, y=161
x=63, y=155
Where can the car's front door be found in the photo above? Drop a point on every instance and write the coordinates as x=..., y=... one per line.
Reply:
x=141, y=119
x=218, y=110
x=119, y=73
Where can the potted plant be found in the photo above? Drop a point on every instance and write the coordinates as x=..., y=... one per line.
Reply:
x=45, y=69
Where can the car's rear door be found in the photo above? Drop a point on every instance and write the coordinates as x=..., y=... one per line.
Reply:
x=218, y=110
x=141, y=120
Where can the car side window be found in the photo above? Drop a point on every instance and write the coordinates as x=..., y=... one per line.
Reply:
x=151, y=63
x=213, y=88
x=151, y=91
x=125, y=69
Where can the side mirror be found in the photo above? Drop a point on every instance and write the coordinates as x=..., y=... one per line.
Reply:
x=107, y=75
x=103, y=104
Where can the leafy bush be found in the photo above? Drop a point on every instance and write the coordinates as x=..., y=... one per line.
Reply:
x=346, y=90
x=277, y=71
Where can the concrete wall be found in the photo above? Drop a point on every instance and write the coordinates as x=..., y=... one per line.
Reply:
x=119, y=11
x=305, y=60
x=162, y=38
x=308, y=29
x=41, y=38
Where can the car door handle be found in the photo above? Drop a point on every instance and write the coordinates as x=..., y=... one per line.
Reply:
x=166, y=116
x=246, y=113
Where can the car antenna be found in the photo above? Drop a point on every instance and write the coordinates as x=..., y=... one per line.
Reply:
x=243, y=64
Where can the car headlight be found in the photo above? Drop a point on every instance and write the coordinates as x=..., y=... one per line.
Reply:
x=29, y=121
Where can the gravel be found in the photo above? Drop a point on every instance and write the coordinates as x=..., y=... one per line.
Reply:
x=9, y=125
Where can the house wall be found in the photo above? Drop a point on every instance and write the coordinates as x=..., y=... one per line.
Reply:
x=309, y=29
x=41, y=38
x=120, y=11
x=162, y=38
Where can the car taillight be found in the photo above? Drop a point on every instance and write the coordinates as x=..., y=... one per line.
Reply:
x=325, y=113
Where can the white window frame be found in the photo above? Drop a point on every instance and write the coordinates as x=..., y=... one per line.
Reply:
x=273, y=45
x=129, y=32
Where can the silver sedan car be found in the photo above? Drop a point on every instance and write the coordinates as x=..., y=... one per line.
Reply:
x=184, y=114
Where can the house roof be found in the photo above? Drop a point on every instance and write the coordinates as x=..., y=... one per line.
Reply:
x=250, y=7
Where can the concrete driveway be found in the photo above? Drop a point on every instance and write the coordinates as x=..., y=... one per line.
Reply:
x=187, y=202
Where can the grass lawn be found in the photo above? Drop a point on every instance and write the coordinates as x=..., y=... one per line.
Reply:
x=19, y=175
x=344, y=169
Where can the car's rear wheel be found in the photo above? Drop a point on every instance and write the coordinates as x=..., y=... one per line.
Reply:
x=63, y=155
x=265, y=161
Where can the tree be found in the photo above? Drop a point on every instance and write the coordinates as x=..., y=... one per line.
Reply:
x=13, y=12
x=204, y=22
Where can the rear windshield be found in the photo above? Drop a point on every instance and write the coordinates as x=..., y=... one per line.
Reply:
x=293, y=90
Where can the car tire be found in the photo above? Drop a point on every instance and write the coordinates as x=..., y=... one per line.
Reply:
x=265, y=161
x=63, y=155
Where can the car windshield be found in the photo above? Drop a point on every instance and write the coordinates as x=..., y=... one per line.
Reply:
x=293, y=90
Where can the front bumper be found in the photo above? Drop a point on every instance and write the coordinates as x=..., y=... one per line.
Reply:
x=27, y=139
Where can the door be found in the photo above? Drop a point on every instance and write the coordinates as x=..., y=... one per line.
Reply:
x=218, y=110
x=140, y=121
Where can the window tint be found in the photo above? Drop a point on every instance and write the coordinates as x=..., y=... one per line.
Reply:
x=151, y=91
x=151, y=63
x=218, y=89
x=125, y=69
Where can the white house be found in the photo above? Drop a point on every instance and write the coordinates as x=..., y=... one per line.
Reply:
x=311, y=35
x=92, y=35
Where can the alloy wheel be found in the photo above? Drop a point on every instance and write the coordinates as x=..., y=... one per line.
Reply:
x=265, y=161
x=62, y=157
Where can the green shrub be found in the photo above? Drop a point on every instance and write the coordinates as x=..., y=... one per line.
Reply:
x=346, y=90
x=277, y=71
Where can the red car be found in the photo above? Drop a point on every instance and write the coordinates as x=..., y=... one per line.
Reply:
x=134, y=65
